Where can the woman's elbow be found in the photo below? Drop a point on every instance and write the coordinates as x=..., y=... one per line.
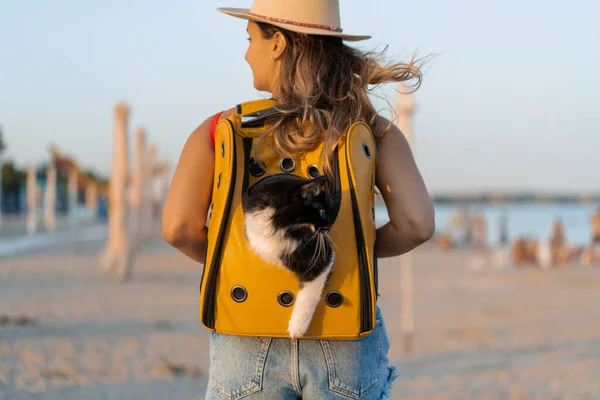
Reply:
x=424, y=225
x=173, y=235
x=179, y=233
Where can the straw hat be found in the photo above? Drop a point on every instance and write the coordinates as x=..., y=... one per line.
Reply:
x=312, y=17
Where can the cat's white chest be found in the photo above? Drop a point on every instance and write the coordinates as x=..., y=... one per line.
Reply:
x=269, y=243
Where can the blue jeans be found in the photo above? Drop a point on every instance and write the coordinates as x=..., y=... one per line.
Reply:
x=277, y=368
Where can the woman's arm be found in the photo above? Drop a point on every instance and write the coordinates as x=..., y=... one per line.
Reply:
x=190, y=193
x=408, y=204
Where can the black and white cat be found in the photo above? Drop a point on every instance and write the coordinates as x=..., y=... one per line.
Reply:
x=287, y=219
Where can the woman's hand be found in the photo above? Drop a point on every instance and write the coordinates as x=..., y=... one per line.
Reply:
x=408, y=204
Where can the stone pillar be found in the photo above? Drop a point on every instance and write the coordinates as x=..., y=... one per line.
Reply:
x=137, y=190
x=50, y=199
x=405, y=107
x=32, y=206
x=1, y=170
x=91, y=198
x=164, y=184
x=117, y=258
x=148, y=198
x=72, y=196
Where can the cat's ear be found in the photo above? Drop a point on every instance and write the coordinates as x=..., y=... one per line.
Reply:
x=313, y=188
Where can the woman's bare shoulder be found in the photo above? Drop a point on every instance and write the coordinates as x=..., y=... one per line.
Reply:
x=387, y=134
x=382, y=126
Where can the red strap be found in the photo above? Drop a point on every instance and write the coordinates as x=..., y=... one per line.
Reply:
x=213, y=127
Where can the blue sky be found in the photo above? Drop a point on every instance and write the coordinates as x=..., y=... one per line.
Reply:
x=511, y=102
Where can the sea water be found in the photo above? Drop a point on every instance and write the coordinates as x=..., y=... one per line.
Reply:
x=533, y=220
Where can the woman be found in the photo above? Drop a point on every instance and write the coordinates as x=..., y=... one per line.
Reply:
x=297, y=53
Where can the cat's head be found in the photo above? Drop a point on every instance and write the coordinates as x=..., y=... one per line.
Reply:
x=315, y=202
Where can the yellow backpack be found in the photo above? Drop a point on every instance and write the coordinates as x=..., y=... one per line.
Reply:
x=240, y=294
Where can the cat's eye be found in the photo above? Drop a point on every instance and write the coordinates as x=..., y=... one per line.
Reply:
x=287, y=164
x=286, y=298
x=334, y=299
x=366, y=150
x=313, y=171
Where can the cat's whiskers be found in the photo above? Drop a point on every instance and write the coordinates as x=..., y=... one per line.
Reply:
x=331, y=229
x=320, y=249
x=334, y=245
x=324, y=232
x=315, y=257
x=323, y=247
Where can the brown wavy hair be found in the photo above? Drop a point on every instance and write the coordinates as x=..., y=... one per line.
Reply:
x=330, y=82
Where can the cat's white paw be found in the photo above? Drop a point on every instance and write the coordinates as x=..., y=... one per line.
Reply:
x=297, y=327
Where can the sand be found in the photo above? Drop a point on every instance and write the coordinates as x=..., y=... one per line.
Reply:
x=486, y=334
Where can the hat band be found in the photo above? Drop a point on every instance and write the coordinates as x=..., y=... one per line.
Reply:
x=302, y=24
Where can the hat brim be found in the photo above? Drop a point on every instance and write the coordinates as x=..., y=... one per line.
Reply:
x=244, y=13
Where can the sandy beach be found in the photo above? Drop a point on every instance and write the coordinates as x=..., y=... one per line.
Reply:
x=487, y=334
